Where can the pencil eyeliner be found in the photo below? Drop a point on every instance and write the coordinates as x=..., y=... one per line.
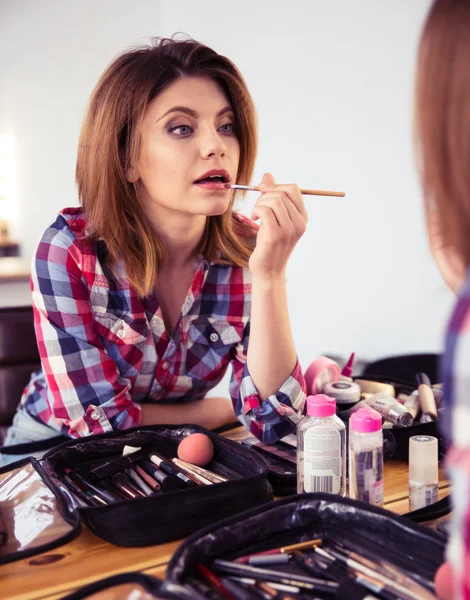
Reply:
x=307, y=583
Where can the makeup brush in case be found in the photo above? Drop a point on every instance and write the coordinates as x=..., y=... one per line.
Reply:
x=90, y=479
x=311, y=546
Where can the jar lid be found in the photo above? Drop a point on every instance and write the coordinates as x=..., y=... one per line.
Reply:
x=344, y=392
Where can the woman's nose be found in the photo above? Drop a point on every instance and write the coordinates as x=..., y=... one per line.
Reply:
x=212, y=144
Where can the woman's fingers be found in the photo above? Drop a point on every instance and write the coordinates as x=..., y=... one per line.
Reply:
x=268, y=181
x=268, y=216
x=293, y=192
x=286, y=213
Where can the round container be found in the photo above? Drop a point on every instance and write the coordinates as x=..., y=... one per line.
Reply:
x=346, y=393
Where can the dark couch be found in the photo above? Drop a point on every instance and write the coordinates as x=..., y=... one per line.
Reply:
x=19, y=357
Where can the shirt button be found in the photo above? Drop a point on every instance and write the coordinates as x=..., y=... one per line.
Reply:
x=165, y=365
x=214, y=337
x=121, y=333
x=95, y=415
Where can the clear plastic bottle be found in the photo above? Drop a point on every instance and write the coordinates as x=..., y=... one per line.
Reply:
x=321, y=448
x=423, y=471
x=366, y=461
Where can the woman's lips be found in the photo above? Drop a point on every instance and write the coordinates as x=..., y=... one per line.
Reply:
x=212, y=185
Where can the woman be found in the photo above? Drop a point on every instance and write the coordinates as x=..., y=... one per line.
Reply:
x=145, y=294
x=443, y=131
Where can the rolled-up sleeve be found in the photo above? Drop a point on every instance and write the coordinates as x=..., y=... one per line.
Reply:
x=278, y=415
x=85, y=391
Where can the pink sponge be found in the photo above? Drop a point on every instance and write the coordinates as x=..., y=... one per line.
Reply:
x=197, y=449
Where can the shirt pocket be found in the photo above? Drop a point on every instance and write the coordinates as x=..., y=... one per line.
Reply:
x=120, y=330
x=210, y=344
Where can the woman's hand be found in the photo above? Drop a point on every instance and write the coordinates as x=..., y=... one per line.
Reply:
x=449, y=263
x=284, y=220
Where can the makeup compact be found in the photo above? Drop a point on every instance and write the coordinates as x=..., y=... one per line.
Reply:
x=282, y=460
x=277, y=450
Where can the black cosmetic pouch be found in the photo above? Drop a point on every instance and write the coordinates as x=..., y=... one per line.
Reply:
x=131, y=586
x=372, y=533
x=390, y=542
x=396, y=439
x=39, y=512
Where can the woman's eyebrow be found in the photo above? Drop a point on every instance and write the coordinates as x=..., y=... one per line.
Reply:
x=191, y=112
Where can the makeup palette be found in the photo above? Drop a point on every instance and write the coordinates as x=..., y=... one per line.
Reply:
x=278, y=450
x=282, y=461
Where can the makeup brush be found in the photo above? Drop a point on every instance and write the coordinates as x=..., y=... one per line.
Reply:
x=255, y=188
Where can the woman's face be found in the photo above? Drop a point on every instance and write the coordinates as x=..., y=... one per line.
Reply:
x=187, y=136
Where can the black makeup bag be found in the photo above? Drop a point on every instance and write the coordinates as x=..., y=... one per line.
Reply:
x=39, y=513
x=374, y=533
x=396, y=439
x=131, y=586
x=371, y=532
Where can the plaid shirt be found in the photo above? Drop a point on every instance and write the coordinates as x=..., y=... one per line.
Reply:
x=455, y=373
x=104, y=349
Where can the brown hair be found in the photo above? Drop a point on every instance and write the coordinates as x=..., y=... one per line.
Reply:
x=442, y=119
x=109, y=144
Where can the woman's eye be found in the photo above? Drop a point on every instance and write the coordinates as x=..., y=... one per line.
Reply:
x=227, y=128
x=181, y=130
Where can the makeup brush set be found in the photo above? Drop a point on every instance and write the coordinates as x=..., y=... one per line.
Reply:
x=129, y=487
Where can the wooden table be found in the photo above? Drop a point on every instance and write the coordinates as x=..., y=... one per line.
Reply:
x=54, y=574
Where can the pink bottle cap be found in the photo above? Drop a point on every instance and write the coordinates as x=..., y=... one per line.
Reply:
x=321, y=406
x=365, y=420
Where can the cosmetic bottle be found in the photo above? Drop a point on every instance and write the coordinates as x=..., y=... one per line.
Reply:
x=423, y=471
x=321, y=448
x=366, y=462
x=390, y=409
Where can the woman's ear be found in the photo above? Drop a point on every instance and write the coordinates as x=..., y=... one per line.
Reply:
x=131, y=175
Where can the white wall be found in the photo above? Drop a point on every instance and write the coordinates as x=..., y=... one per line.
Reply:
x=333, y=84
x=52, y=53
